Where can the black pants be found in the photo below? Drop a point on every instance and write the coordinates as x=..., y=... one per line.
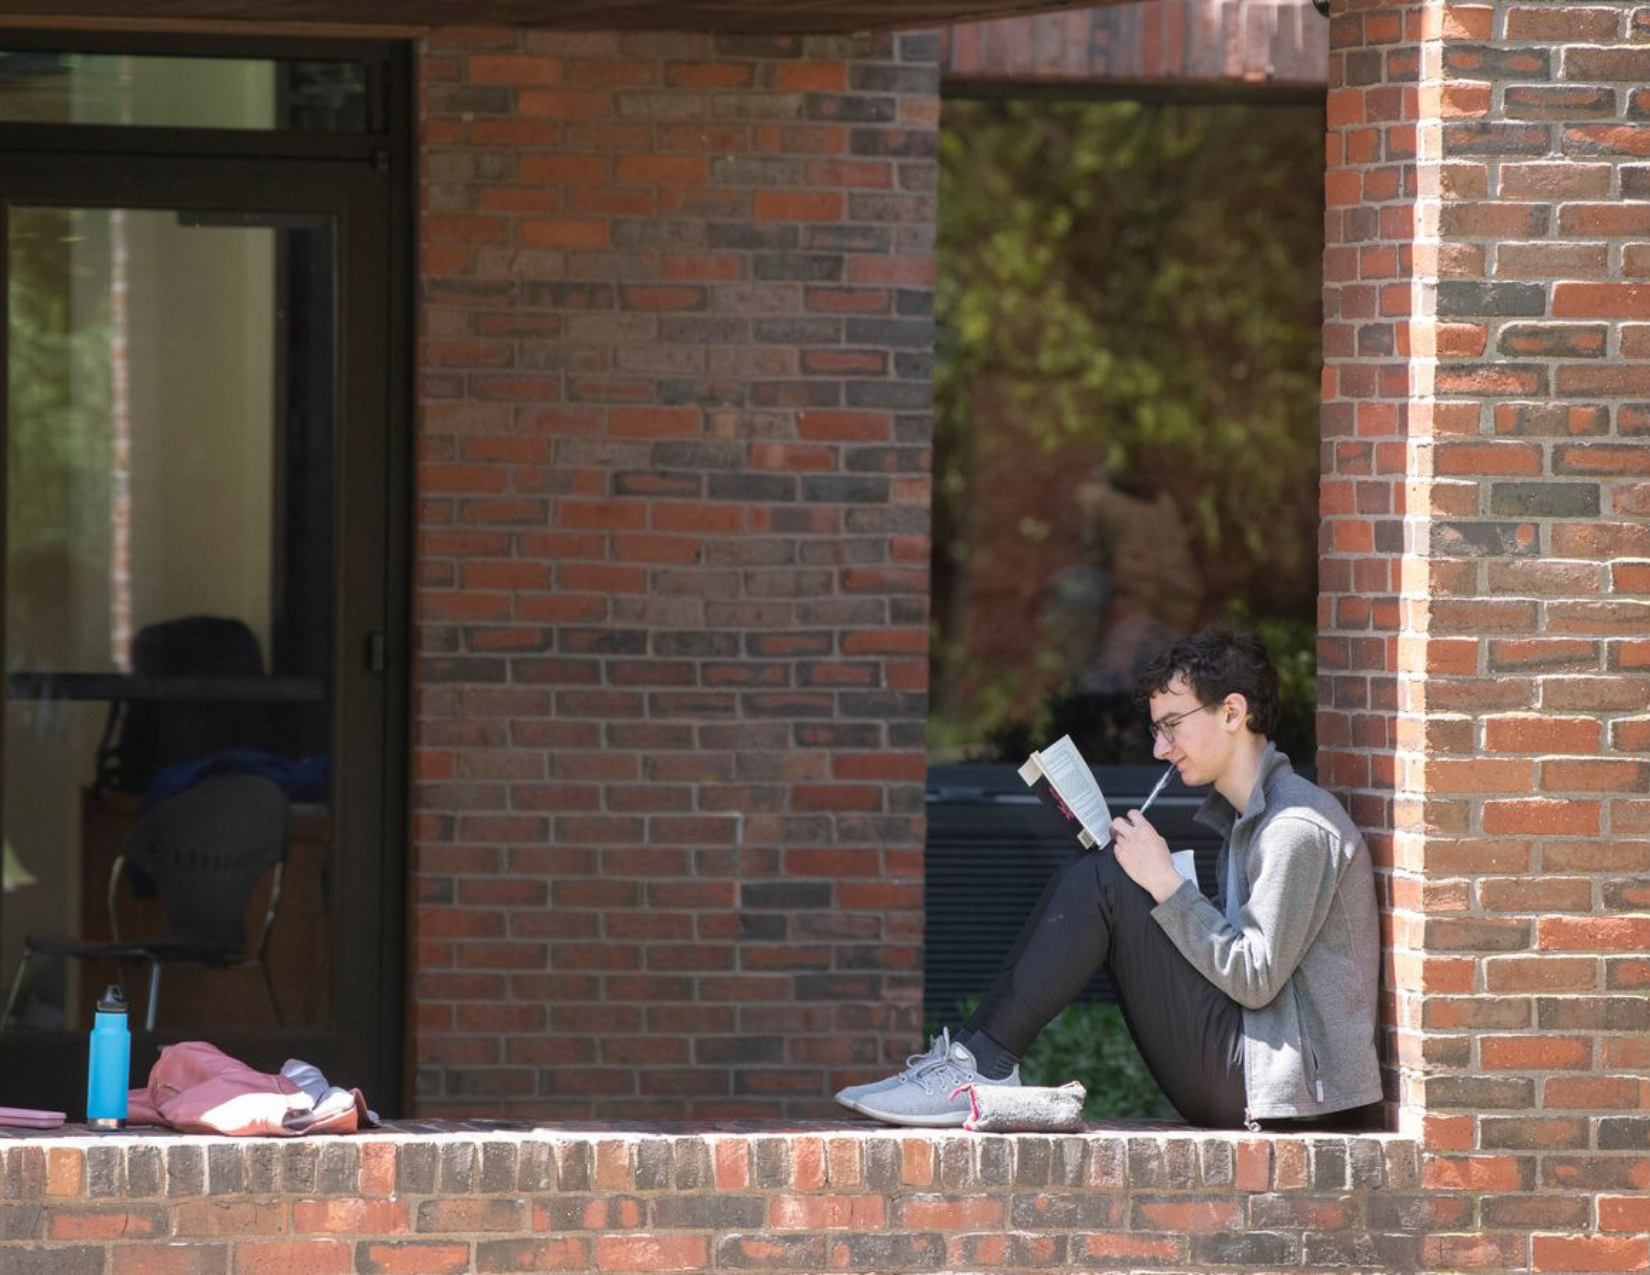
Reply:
x=1092, y=916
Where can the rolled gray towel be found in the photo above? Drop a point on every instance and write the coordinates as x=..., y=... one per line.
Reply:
x=1024, y=1108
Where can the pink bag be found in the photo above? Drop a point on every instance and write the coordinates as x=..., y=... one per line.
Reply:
x=195, y=1087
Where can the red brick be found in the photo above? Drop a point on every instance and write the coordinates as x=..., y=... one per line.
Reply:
x=1488, y=458
x=732, y=1163
x=1570, y=24
x=132, y=1221
x=561, y=167
x=701, y=267
x=797, y=205
x=1589, y=1253
x=1474, y=1173
x=649, y=1252
x=1547, y=894
x=811, y=77
x=1595, y=1093
x=563, y=104
x=709, y=75
x=827, y=1212
x=1473, y=1252
x=839, y=797
x=414, y=1257
x=1535, y=1053
x=513, y=69
x=1541, y=817
x=916, y=1160
x=1478, y=776
x=347, y=1216
x=654, y=422
x=944, y=1213
x=1111, y=1246
x=293, y=1257
x=1534, y=734
x=1601, y=300
x=1189, y=1216
x=169, y=1259
x=1540, y=974
x=1624, y=1213
x=1593, y=775
x=544, y=232
x=679, y=170
x=788, y=457
x=1593, y=934
x=229, y=1218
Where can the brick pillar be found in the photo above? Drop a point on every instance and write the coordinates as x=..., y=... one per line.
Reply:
x=672, y=568
x=1487, y=476
x=1376, y=419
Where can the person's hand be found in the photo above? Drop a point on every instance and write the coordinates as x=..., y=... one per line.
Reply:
x=1144, y=855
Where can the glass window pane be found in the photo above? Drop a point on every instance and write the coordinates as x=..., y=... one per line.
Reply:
x=171, y=92
x=168, y=607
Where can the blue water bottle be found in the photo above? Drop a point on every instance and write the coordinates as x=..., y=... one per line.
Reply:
x=109, y=1070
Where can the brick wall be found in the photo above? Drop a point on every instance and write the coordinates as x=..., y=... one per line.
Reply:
x=1375, y=428
x=1486, y=590
x=825, y=1199
x=672, y=568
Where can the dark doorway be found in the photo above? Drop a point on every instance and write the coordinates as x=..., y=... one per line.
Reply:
x=203, y=253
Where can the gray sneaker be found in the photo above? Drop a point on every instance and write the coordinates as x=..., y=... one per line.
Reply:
x=921, y=1096
x=938, y=1047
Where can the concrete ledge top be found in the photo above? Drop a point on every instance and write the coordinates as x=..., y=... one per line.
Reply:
x=601, y=1131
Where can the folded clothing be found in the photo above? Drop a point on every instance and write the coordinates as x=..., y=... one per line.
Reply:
x=1024, y=1108
x=30, y=1118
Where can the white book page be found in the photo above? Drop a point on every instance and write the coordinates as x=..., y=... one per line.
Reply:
x=1070, y=776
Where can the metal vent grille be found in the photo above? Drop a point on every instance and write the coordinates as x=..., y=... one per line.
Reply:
x=992, y=847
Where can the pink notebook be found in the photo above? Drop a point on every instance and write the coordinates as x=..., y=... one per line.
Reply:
x=29, y=1118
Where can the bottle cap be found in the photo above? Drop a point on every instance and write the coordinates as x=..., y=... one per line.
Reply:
x=112, y=1001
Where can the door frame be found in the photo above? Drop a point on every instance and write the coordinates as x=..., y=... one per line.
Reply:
x=365, y=181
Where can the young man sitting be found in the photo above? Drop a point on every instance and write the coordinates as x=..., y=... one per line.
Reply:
x=1260, y=1007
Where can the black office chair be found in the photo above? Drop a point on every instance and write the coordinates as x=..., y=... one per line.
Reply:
x=203, y=851
x=142, y=736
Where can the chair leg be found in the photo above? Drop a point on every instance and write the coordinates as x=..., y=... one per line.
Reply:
x=16, y=987
x=154, y=994
x=274, y=1001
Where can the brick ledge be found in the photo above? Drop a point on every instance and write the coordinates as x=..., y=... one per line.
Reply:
x=1123, y=1154
x=451, y=1197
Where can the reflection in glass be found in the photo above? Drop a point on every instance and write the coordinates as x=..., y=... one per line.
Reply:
x=47, y=87
x=168, y=573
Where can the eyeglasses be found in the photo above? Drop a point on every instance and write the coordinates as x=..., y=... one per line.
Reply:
x=1164, y=729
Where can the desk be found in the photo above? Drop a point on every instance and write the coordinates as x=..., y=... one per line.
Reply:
x=164, y=687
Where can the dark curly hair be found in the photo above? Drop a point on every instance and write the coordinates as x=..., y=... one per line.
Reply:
x=1218, y=660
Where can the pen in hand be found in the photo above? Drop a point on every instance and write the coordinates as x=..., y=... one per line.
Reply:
x=1158, y=787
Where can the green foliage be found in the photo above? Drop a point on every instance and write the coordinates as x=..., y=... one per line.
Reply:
x=1142, y=281
x=1135, y=272
x=1292, y=644
x=59, y=389
x=1091, y=1043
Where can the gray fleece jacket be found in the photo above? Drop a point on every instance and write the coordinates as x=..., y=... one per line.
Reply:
x=1298, y=946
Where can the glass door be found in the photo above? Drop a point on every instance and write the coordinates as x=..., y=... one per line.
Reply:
x=197, y=550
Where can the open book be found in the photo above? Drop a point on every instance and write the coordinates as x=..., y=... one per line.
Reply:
x=1063, y=779
x=1059, y=775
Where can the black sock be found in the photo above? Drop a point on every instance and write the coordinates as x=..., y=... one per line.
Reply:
x=992, y=1059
